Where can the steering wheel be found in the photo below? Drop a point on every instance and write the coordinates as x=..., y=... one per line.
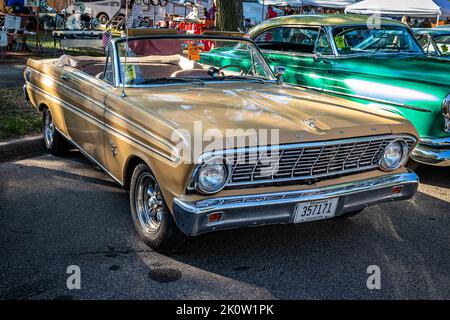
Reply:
x=219, y=71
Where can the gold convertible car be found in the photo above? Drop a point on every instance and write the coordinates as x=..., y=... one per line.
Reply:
x=204, y=148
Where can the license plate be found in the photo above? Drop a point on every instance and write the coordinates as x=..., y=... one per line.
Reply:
x=315, y=210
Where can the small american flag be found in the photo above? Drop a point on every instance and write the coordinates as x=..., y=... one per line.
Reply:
x=106, y=38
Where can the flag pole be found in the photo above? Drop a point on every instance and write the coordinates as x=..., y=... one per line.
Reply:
x=126, y=50
x=263, y=7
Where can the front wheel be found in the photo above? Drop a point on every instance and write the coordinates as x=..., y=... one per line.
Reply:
x=54, y=142
x=151, y=217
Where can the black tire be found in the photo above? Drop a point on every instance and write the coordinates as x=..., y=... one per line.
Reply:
x=54, y=142
x=349, y=214
x=159, y=232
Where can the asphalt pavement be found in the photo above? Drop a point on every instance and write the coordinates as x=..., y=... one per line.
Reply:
x=60, y=212
x=11, y=75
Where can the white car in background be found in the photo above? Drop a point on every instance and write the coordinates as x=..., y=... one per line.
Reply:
x=255, y=10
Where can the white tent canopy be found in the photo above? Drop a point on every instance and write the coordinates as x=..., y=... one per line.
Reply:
x=401, y=7
x=336, y=4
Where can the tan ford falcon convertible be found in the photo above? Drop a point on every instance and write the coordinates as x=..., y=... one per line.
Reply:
x=204, y=148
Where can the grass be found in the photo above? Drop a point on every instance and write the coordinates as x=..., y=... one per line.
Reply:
x=18, y=117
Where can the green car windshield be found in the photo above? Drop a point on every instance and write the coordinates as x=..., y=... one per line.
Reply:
x=362, y=39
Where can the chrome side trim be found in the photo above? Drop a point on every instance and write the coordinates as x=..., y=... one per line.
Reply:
x=90, y=158
x=174, y=150
x=66, y=105
x=69, y=88
x=205, y=81
x=91, y=118
x=375, y=100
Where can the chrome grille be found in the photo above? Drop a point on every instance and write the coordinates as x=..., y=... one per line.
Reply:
x=309, y=161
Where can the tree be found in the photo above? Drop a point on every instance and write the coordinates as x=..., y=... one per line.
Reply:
x=230, y=15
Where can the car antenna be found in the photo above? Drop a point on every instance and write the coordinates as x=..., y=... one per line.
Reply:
x=123, y=95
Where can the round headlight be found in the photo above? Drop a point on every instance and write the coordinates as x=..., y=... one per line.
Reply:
x=212, y=176
x=446, y=106
x=395, y=155
x=446, y=113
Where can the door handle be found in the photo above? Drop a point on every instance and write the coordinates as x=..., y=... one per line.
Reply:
x=65, y=77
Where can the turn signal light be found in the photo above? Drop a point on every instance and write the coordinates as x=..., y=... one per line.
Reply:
x=215, y=217
x=397, y=189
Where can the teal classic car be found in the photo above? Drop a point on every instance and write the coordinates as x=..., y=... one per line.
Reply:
x=381, y=66
x=435, y=42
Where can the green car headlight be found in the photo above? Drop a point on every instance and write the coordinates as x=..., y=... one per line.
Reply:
x=213, y=175
x=446, y=113
x=395, y=155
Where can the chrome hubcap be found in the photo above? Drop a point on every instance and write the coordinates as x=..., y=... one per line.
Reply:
x=149, y=203
x=49, y=129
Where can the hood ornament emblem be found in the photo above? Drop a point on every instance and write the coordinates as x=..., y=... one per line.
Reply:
x=311, y=122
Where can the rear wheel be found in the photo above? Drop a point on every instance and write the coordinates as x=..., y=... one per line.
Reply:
x=54, y=142
x=151, y=217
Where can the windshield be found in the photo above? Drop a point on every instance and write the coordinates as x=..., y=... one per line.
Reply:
x=181, y=59
x=361, y=39
x=443, y=44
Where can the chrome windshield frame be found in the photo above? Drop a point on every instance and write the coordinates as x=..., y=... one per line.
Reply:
x=117, y=64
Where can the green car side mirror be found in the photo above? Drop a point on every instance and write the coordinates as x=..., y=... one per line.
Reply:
x=318, y=57
x=279, y=72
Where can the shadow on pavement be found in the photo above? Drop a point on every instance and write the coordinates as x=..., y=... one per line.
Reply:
x=63, y=220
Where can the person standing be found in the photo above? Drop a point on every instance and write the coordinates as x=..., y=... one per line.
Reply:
x=407, y=20
x=206, y=14
x=212, y=12
x=426, y=23
x=16, y=5
x=271, y=13
x=289, y=11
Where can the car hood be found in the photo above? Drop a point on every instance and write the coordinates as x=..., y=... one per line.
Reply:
x=297, y=114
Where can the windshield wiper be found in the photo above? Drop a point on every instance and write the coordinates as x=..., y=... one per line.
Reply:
x=172, y=79
x=259, y=80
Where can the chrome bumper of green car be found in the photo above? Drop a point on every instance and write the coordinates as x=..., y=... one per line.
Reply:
x=435, y=152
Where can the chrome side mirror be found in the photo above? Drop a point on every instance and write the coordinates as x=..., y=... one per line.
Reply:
x=318, y=57
x=279, y=72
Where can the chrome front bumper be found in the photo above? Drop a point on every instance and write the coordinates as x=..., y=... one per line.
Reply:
x=25, y=93
x=278, y=208
x=434, y=152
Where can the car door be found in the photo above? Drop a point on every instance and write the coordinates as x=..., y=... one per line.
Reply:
x=305, y=52
x=86, y=94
